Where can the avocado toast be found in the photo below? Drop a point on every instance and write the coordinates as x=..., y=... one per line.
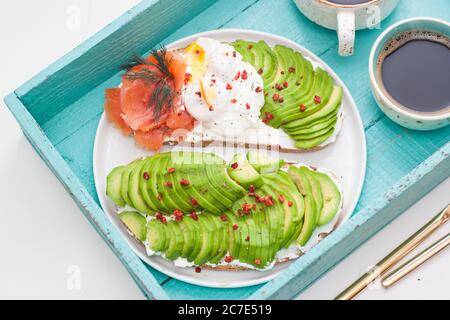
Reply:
x=241, y=93
x=298, y=96
x=197, y=210
x=302, y=105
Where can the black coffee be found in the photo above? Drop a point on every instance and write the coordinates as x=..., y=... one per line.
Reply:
x=349, y=2
x=415, y=70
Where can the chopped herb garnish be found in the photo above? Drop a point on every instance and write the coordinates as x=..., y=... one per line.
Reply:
x=158, y=80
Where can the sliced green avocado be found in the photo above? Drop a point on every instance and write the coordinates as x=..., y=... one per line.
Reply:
x=157, y=236
x=312, y=133
x=323, y=87
x=160, y=187
x=216, y=171
x=242, y=172
x=331, y=107
x=189, y=180
x=113, y=186
x=294, y=199
x=222, y=240
x=124, y=182
x=195, y=191
x=276, y=218
x=254, y=241
x=262, y=163
x=242, y=47
x=193, y=169
x=263, y=252
x=290, y=68
x=152, y=184
x=309, y=223
x=270, y=64
x=190, y=236
x=311, y=212
x=208, y=184
x=293, y=78
x=313, y=126
x=208, y=228
x=292, y=83
x=134, y=189
x=293, y=205
x=199, y=179
x=244, y=241
x=184, y=167
x=266, y=256
x=173, y=195
x=151, y=201
x=316, y=190
x=176, y=241
x=198, y=238
x=312, y=143
x=136, y=223
x=331, y=198
x=214, y=220
x=234, y=234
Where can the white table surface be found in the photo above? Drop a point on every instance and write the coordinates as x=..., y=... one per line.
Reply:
x=43, y=235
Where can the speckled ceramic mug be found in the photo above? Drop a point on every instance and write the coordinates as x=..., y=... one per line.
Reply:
x=346, y=19
x=403, y=116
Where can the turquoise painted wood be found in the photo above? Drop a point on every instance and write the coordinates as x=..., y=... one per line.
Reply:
x=59, y=110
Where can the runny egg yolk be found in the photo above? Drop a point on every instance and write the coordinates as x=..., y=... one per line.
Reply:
x=195, y=58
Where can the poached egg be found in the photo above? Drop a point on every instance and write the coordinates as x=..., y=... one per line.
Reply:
x=221, y=91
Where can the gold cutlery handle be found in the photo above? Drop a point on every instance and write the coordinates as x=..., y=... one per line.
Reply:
x=415, y=262
x=395, y=256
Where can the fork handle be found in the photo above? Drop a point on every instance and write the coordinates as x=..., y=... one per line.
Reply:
x=415, y=262
x=395, y=256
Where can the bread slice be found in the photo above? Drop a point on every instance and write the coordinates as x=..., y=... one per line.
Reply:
x=284, y=255
x=269, y=139
x=294, y=251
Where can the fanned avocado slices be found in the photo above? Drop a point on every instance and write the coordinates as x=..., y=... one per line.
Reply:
x=263, y=163
x=296, y=95
x=311, y=211
x=136, y=223
x=241, y=171
x=331, y=198
x=113, y=182
x=322, y=199
x=245, y=216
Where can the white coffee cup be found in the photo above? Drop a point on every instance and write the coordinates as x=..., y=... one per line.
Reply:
x=346, y=19
x=397, y=113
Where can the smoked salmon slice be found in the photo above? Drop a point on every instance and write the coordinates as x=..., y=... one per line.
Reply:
x=177, y=67
x=143, y=107
x=113, y=110
x=151, y=140
x=148, y=102
x=180, y=120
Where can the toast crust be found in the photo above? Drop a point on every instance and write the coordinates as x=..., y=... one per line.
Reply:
x=259, y=146
x=241, y=268
x=206, y=142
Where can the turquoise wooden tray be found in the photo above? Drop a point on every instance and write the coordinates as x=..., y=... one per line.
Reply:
x=59, y=110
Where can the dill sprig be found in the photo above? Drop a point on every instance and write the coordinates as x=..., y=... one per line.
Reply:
x=136, y=60
x=162, y=97
x=145, y=74
x=163, y=94
x=161, y=63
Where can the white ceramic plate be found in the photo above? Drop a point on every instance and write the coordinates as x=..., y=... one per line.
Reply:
x=346, y=158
